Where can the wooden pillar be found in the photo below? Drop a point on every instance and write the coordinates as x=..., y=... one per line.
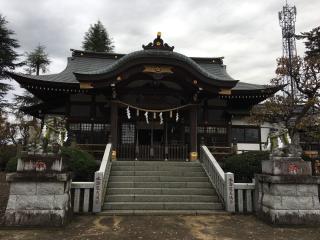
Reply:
x=229, y=139
x=193, y=133
x=166, y=150
x=114, y=129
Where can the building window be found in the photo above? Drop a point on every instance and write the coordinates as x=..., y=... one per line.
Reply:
x=212, y=135
x=127, y=133
x=90, y=133
x=246, y=134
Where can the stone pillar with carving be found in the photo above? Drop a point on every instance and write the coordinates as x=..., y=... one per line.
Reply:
x=40, y=189
x=286, y=192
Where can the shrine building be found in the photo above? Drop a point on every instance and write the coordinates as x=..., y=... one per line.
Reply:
x=151, y=104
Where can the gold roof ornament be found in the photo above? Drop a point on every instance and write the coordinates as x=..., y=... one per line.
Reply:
x=158, y=44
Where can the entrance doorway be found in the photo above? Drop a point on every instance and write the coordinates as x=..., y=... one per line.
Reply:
x=152, y=141
x=150, y=134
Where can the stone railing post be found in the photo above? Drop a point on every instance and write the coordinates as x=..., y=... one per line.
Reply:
x=100, y=180
x=229, y=192
x=97, y=192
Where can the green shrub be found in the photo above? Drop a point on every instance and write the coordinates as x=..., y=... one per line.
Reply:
x=313, y=162
x=81, y=163
x=245, y=165
x=6, y=153
x=12, y=164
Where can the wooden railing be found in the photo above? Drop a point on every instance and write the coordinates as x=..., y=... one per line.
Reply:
x=101, y=178
x=174, y=152
x=237, y=197
x=81, y=196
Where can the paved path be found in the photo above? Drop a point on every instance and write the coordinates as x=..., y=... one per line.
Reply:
x=222, y=227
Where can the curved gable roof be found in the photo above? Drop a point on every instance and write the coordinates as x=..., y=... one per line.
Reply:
x=210, y=72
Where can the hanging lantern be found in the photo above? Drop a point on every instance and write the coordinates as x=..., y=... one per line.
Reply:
x=128, y=113
x=147, y=119
x=170, y=114
x=161, y=118
x=177, y=117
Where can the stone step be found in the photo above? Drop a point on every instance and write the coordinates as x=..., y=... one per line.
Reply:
x=167, y=191
x=171, y=173
x=159, y=185
x=157, y=168
x=156, y=179
x=161, y=212
x=161, y=206
x=155, y=163
x=160, y=198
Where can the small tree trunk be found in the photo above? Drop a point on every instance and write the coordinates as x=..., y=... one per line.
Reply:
x=38, y=70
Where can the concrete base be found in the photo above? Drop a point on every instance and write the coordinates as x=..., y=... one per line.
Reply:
x=288, y=200
x=38, y=199
x=286, y=166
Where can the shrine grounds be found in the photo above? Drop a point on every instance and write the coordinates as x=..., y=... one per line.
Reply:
x=210, y=227
x=206, y=227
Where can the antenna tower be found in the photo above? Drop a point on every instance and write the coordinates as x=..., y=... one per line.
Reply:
x=287, y=20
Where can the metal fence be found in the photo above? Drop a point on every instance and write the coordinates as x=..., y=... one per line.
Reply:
x=173, y=152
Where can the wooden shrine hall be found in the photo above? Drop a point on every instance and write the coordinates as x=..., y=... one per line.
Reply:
x=151, y=104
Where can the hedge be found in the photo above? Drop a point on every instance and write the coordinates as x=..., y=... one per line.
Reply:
x=245, y=165
x=81, y=163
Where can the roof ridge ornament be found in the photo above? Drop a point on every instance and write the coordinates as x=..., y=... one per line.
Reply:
x=158, y=44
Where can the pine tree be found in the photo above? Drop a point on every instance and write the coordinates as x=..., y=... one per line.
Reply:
x=97, y=39
x=312, y=42
x=8, y=56
x=37, y=60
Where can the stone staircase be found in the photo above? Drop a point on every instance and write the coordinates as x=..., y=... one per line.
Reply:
x=159, y=187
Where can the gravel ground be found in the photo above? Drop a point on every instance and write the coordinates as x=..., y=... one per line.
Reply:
x=210, y=227
x=220, y=226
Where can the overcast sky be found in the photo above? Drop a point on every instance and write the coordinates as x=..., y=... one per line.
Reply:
x=245, y=32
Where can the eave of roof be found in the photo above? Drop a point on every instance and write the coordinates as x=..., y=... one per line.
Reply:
x=245, y=88
x=91, y=62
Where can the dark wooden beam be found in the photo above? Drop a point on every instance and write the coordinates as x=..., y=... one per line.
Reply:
x=114, y=125
x=193, y=132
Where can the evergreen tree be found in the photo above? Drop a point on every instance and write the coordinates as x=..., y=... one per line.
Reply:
x=25, y=100
x=312, y=42
x=8, y=56
x=97, y=39
x=37, y=60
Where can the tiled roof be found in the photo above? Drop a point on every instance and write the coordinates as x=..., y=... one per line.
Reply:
x=96, y=63
x=214, y=72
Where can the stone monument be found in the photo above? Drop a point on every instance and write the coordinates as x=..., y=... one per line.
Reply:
x=40, y=189
x=286, y=192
